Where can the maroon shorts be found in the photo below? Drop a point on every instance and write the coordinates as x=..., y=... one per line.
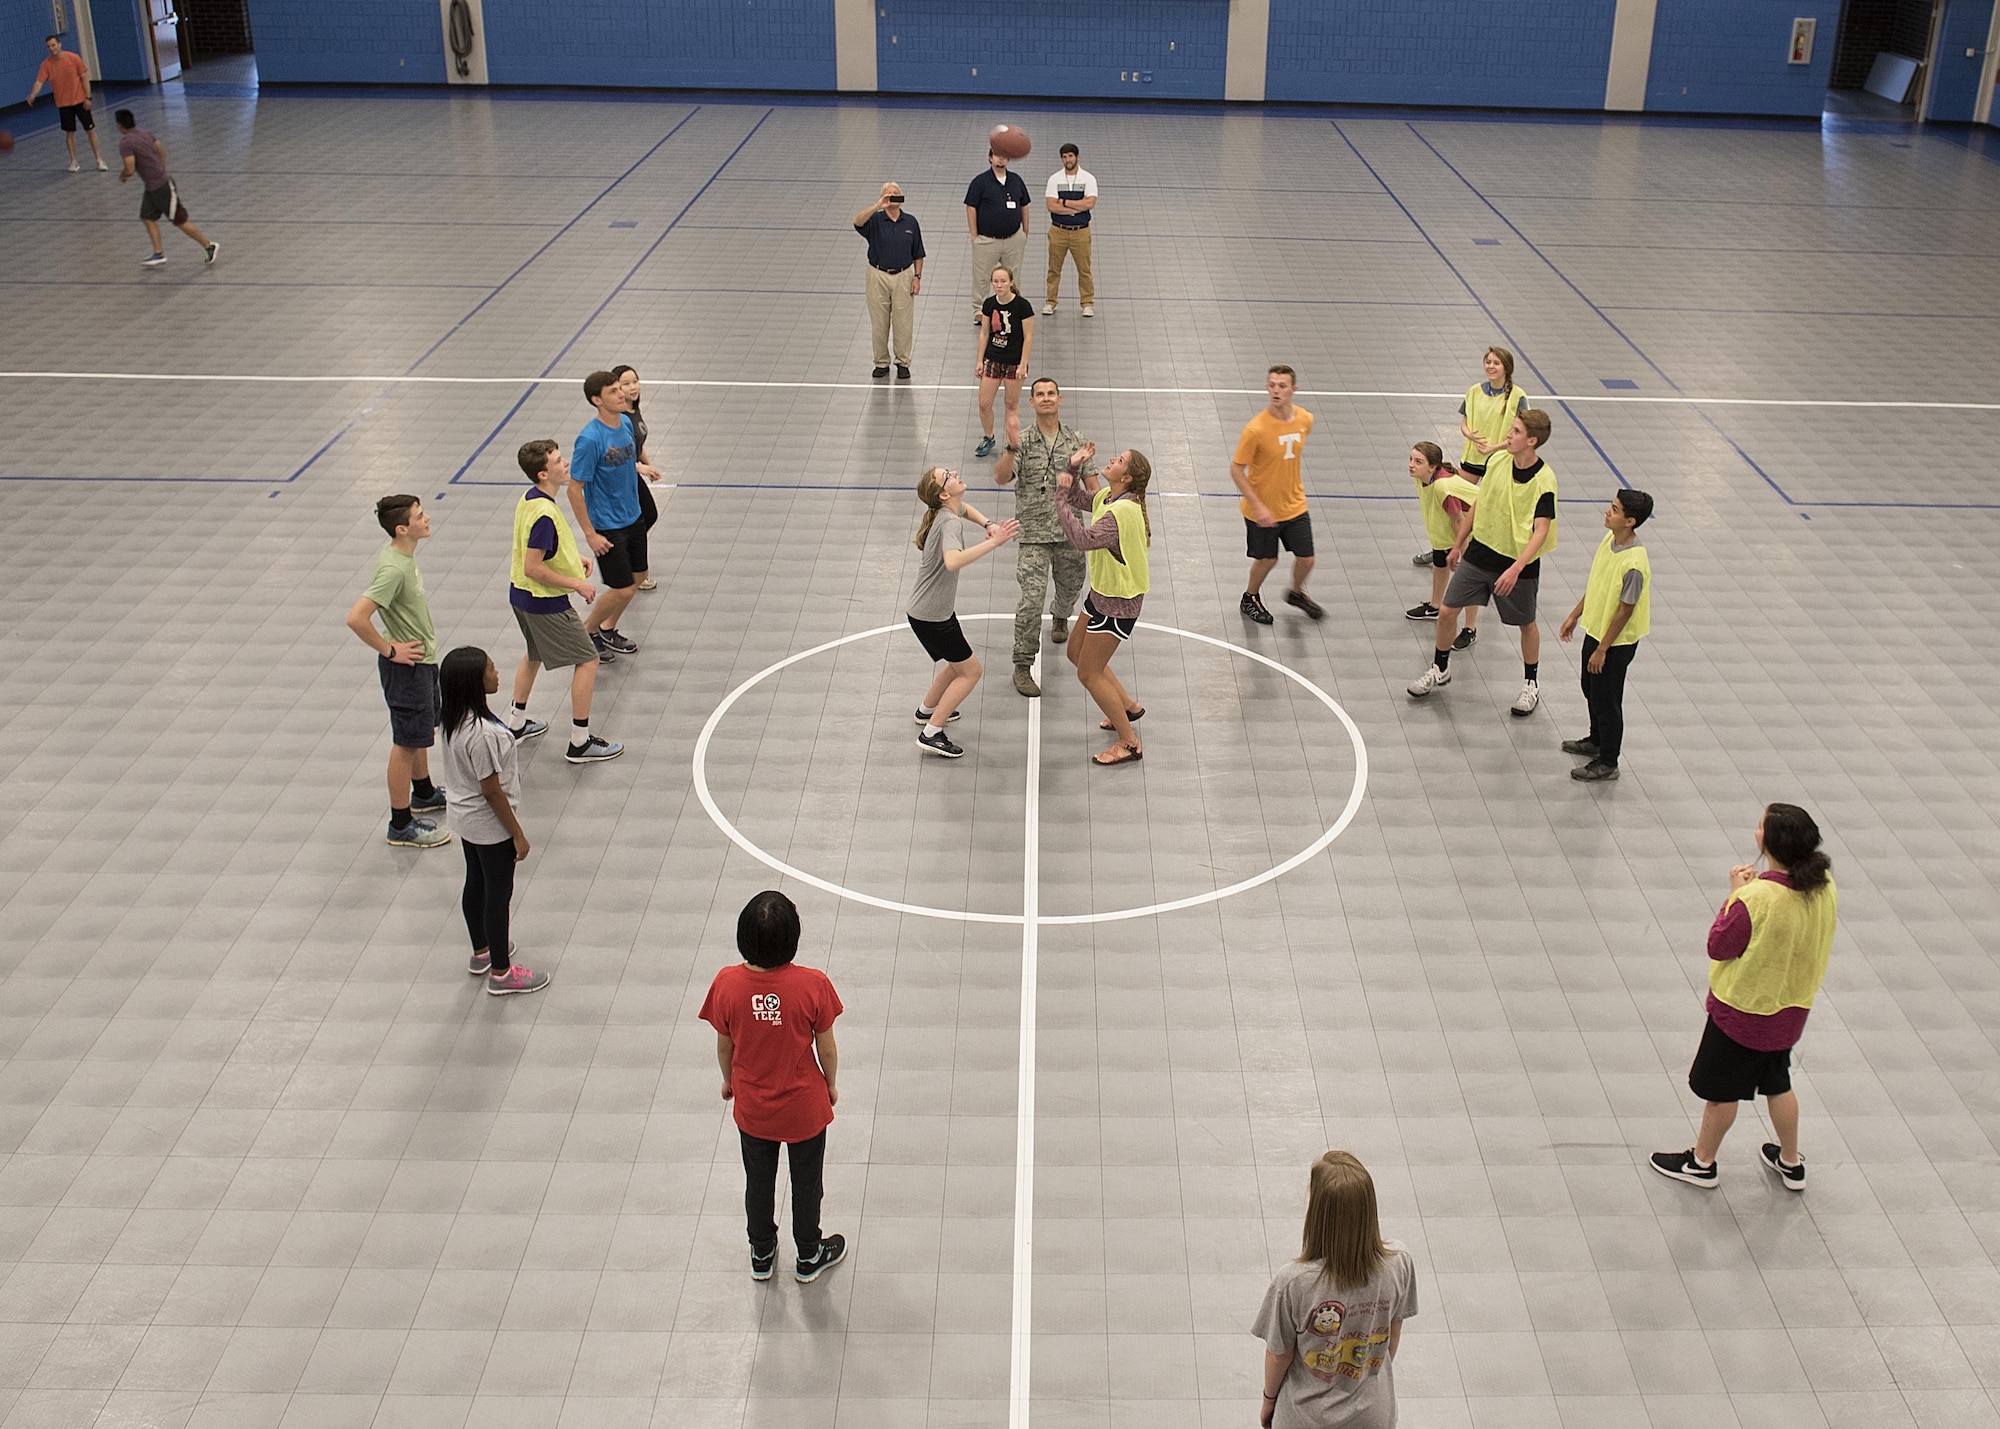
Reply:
x=1000, y=371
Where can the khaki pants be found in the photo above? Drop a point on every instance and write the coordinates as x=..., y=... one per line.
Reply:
x=1076, y=242
x=890, y=305
x=991, y=253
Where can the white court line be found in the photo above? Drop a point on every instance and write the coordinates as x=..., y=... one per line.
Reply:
x=1019, y=1379
x=1673, y=401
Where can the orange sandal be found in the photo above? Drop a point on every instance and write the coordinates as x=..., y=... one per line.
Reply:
x=1134, y=716
x=1121, y=754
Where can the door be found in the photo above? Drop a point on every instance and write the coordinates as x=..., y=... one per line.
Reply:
x=1958, y=63
x=165, y=26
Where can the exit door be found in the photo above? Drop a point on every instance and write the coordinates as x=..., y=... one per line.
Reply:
x=166, y=28
x=1958, y=60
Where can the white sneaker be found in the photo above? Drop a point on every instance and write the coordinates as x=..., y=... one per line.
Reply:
x=1048, y=307
x=1530, y=696
x=1431, y=678
x=102, y=167
x=74, y=166
x=1090, y=310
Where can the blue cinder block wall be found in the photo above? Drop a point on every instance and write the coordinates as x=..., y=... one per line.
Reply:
x=348, y=41
x=1133, y=49
x=1734, y=58
x=673, y=44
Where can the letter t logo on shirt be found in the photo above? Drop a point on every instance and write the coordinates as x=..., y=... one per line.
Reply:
x=1290, y=442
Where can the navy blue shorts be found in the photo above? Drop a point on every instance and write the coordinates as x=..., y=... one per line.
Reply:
x=411, y=692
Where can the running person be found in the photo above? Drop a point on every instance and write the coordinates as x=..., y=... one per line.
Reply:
x=484, y=776
x=1500, y=558
x=146, y=157
x=68, y=79
x=649, y=511
x=932, y=608
x=1446, y=500
x=605, y=498
x=406, y=663
x=1485, y=415
x=1268, y=473
x=1116, y=539
x=1006, y=337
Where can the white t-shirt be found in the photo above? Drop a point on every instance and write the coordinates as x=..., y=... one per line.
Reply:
x=1081, y=184
x=1339, y=1339
x=466, y=755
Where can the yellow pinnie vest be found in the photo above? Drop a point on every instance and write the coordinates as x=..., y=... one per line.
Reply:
x=1607, y=580
x=565, y=560
x=1504, y=515
x=1437, y=521
x=1491, y=417
x=1791, y=936
x=1108, y=575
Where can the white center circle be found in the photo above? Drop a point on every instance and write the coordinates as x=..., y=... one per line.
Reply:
x=960, y=915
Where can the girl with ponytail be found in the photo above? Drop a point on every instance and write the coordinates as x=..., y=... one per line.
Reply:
x=932, y=608
x=1767, y=952
x=1117, y=538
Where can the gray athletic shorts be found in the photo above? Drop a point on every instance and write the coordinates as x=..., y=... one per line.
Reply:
x=1472, y=586
x=556, y=639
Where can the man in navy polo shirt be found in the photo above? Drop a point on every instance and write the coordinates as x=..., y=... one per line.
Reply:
x=996, y=215
x=895, y=273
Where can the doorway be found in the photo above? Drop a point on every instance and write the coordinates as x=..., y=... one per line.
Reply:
x=215, y=39
x=1879, y=59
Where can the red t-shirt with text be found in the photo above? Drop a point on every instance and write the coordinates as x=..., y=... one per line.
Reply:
x=772, y=1016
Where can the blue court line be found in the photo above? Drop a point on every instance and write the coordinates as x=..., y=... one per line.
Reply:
x=1774, y=250
x=238, y=221
x=154, y=282
x=1178, y=237
x=1512, y=342
x=598, y=311
x=1804, y=313
x=1605, y=318
x=1188, y=298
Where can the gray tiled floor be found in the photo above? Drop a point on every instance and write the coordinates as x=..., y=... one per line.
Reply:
x=270, y=1161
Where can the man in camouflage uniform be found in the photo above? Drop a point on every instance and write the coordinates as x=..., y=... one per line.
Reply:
x=1046, y=448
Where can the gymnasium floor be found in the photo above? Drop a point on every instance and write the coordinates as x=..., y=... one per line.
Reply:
x=270, y=1159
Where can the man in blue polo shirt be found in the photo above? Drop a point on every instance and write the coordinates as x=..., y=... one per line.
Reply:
x=605, y=498
x=895, y=273
x=996, y=215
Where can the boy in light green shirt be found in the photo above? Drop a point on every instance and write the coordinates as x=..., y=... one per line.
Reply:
x=1616, y=612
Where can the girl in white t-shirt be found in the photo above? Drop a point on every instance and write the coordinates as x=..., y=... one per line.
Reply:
x=1332, y=1319
x=482, y=785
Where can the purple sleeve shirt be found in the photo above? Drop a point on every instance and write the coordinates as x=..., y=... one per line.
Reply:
x=1728, y=936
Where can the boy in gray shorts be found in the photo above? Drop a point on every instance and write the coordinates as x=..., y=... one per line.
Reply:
x=547, y=567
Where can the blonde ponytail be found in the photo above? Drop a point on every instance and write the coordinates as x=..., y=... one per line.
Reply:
x=930, y=491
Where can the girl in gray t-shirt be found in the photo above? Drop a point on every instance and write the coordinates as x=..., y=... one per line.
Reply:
x=942, y=540
x=1331, y=1320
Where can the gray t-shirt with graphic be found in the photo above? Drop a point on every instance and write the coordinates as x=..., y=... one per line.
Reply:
x=1339, y=1340
x=936, y=595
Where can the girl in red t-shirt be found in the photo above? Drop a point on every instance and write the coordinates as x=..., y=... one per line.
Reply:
x=773, y=1024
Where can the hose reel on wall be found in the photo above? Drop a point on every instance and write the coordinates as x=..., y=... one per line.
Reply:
x=464, y=41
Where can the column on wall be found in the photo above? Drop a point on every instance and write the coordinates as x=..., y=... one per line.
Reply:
x=1631, y=55
x=1249, y=48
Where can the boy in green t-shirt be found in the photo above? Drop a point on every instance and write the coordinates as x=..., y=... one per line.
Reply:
x=406, y=661
x=1616, y=611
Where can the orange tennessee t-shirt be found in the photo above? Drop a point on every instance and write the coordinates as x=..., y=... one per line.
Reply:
x=1269, y=449
x=67, y=77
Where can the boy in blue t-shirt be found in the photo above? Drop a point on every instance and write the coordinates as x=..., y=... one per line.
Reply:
x=604, y=493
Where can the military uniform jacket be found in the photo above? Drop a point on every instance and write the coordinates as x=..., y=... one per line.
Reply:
x=1036, y=467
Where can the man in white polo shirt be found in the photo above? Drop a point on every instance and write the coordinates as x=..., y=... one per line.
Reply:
x=1072, y=194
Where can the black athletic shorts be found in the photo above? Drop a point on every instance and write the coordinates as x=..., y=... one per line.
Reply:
x=411, y=692
x=1441, y=559
x=72, y=114
x=1098, y=623
x=942, y=639
x=164, y=202
x=627, y=554
x=1295, y=535
x=1725, y=1070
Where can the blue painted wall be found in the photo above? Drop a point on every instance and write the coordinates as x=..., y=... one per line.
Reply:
x=1530, y=54
x=348, y=41
x=689, y=44
x=1054, y=47
x=25, y=23
x=1732, y=57
x=123, y=47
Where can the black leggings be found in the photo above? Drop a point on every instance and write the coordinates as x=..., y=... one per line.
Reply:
x=649, y=510
x=760, y=1191
x=489, y=889
x=1605, y=694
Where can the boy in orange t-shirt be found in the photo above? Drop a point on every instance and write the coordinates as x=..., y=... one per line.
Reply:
x=1268, y=473
x=66, y=74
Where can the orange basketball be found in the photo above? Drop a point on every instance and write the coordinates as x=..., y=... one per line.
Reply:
x=1009, y=141
x=6, y=141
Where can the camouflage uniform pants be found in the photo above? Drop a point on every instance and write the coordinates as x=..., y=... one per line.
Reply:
x=1032, y=569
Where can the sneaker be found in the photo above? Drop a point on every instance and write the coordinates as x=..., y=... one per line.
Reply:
x=880, y=372
x=761, y=1265
x=418, y=833
x=1048, y=307
x=1253, y=608
x=648, y=584
x=1089, y=310
x=902, y=372
x=515, y=979
x=432, y=805
x=532, y=729
x=832, y=1250
x=1794, y=1177
x=1431, y=678
x=1024, y=681
x=74, y=166
x=208, y=252
x=102, y=167
x=618, y=642
x=593, y=751
x=939, y=744
x=1682, y=1166
x=1525, y=702
x=1465, y=639
x=951, y=718
x=603, y=647
x=479, y=964
x=1583, y=747
x=1595, y=772
x=1422, y=558
x=157, y=260
x=1426, y=611
x=1313, y=609
x=985, y=447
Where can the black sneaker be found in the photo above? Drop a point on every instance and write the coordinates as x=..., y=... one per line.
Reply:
x=1682, y=1166
x=939, y=744
x=1253, y=608
x=1595, y=772
x=1465, y=639
x=761, y=1265
x=832, y=1250
x=1426, y=611
x=1583, y=747
x=1422, y=558
x=1794, y=1177
x=1313, y=609
x=435, y=804
x=605, y=654
x=593, y=751
x=902, y=373
x=951, y=718
x=882, y=371
x=613, y=640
